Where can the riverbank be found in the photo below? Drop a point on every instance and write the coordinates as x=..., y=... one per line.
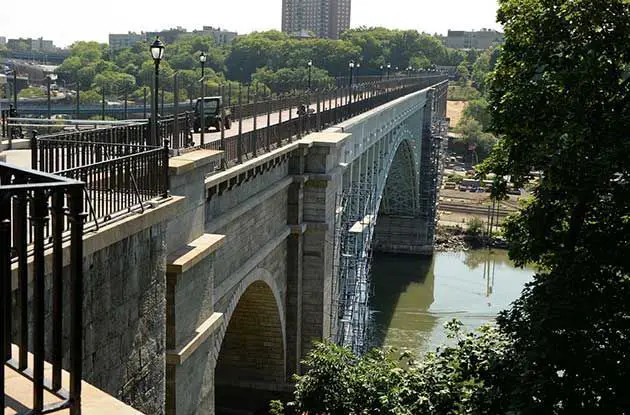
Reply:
x=456, y=238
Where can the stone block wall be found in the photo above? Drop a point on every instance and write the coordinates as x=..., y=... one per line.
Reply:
x=124, y=347
x=123, y=318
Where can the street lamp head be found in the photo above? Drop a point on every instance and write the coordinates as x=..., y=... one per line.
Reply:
x=351, y=64
x=310, y=63
x=202, y=58
x=389, y=66
x=52, y=76
x=381, y=67
x=358, y=65
x=157, y=49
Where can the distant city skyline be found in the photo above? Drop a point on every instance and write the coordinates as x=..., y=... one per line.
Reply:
x=242, y=16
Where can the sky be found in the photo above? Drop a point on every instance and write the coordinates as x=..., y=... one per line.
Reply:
x=72, y=20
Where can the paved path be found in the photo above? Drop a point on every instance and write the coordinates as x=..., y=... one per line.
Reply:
x=261, y=121
x=22, y=158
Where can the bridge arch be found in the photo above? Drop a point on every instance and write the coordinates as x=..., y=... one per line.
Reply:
x=250, y=346
x=400, y=188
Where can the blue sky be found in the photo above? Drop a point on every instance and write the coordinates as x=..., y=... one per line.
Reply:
x=70, y=20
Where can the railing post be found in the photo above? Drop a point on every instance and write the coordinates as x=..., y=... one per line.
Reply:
x=57, y=287
x=34, y=153
x=39, y=216
x=239, y=139
x=282, y=103
x=5, y=295
x=318, y=122
x=254, y=139
x=176, y=140
x=268, y=129
x=77, y=218
x=166, y=177
x=21, y=244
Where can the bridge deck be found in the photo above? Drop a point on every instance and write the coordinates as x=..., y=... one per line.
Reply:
x=22, y=158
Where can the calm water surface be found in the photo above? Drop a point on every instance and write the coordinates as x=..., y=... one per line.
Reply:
x=415, y=296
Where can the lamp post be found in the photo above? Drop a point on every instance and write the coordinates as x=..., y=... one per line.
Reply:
x=351, y=66
x=389, y=66
x=358, y=66
x=202, y=120
x=51, y=77
x=310, y=66
x=381, y=68
x=409, y=69
x=157, y=53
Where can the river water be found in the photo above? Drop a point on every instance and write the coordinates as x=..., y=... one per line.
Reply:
x=414, y=296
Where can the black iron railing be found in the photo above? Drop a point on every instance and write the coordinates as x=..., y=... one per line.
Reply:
x=119, y=178
x=323, y=110
x=122, y=185
x=52, y=154
x=36, y=204
x=178, y=129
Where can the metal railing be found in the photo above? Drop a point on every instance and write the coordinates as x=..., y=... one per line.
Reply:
x=122, y=185
x=68, y=150
x=120, y=175
x=326, y=108
x=52, y=204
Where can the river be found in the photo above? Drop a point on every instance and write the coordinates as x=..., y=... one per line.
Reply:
x=414, y=296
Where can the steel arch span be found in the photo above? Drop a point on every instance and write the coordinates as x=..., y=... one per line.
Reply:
x=387, y=204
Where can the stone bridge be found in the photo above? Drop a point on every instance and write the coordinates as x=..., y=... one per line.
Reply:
x=283, y=244
x=208, y=302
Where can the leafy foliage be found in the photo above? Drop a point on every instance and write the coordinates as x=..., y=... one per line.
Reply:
x=271, y=59
x=475, y=226
x=454, y=380
x=559, y=99
x=32, y=92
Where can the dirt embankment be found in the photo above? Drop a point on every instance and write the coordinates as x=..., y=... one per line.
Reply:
x=454, y=238
x=454, y=111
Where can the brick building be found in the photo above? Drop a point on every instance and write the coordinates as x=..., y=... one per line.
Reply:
x=323, y=18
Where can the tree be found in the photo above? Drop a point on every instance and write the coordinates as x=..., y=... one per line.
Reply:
x=286, y=80
x=32, y=92
x=473, y=139
x=463, y=72
x=477, y=109
x=560, y=103
x=454, y=380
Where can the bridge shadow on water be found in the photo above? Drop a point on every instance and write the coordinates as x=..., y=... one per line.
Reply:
x=402, y=293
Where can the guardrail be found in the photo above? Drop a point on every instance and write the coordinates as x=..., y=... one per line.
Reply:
x=54, y=206
x=67, y=150
x=327, y=108
x=122, y=185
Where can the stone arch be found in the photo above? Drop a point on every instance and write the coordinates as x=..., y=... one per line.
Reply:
x=250, y=346
x=257, y=275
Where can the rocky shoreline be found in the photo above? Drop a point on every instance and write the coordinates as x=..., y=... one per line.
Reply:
x=455, y=238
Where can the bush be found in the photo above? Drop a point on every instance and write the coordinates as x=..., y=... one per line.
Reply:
x=475, y=227
x=462, y=93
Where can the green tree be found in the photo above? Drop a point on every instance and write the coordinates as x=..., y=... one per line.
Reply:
x=474, y=139
x=454, y=380
x=32, y=92
x=91, y=96
x=463, y=72
x=560, y=102
x=478, y=110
